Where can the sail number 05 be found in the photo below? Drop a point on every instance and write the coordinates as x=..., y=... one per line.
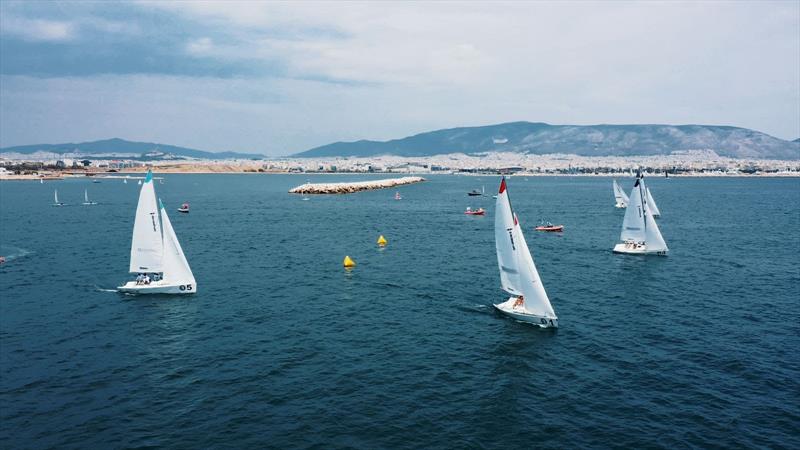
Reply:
x=186, y=287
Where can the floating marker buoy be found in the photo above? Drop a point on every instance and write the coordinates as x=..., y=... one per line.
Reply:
x=382, y=241
x=349, y=262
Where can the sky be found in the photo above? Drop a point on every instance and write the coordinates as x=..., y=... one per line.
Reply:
x=279, y=78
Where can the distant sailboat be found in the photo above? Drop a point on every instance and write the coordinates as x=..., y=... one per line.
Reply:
x=619, y=196
x=640, y=234
x=56, y=202
x=125, y=180
x=139, y=183
x=86, y=198
x=155, y=250
x=518, y=274
x=41, y=180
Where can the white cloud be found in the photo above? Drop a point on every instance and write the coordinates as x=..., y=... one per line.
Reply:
x=38, y=29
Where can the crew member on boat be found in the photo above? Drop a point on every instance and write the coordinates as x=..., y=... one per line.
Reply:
x=520, y=301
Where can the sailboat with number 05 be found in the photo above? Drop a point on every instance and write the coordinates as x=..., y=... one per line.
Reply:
x=640, y=234
x=518, y=274
x=156, y=255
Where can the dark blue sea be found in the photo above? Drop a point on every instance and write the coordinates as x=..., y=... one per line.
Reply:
x=283, y=348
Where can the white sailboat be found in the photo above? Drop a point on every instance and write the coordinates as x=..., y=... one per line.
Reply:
x=125, y=180
x=651, y=203
x=56, y=202
x=155, y=250
x=640, y=234
x=518, y=274
x=86, y=198
x=619, y=196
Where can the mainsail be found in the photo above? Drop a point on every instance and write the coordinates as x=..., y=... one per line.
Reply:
x=147, y=248
x=633, y=225
x=518, y=274
x=505, y=243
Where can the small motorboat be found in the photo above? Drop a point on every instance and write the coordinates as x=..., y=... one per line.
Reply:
x=476, y=193
x=2, y=259
x=397, y=196
x=549, y=227
x=184, y=208
x=475, y=212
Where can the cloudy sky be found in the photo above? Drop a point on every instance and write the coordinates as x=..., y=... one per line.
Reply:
x=278, y=78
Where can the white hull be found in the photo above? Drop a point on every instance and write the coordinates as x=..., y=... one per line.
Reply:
x=520, y=314
x=158, y=287
x=637, y=249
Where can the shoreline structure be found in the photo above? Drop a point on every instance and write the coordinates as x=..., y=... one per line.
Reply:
x=351, y=187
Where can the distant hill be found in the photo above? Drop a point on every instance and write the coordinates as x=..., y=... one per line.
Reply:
x=589, y=140
x=119, y=147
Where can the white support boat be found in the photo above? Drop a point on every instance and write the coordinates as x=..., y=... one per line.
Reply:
x=86, y=198
x=56, y=202
x=518, y=274
x=155, y=250
x=640, y=234
x=620, y=197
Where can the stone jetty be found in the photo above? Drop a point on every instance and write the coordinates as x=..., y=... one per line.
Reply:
x=349, y=188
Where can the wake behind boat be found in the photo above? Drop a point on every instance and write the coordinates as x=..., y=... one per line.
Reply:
x=156, y=255
x=518, y=274
x=640, y=234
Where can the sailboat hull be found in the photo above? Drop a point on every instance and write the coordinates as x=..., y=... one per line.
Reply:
x=508, y=309
x=637, y=249
x=158, y=288
x=620, y=205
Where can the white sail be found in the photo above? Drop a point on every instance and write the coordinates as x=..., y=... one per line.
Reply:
x=633, y=225
x=504, y=238
x=147, y=248
x=176, y=268
x=653, y=238
x=86, y=195
x=55, y=194
x=651, y=204
x=536, y=300
x=619, y=195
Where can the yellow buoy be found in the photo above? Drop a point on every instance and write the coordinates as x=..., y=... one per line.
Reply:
x=382, y=241
x=348, y=262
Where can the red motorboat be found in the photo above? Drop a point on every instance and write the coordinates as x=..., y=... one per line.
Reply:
x=549, y=227
x=184, y=208
x=475, y=212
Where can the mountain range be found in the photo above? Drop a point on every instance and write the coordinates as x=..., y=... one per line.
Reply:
x=586, y=140
x=130, y=149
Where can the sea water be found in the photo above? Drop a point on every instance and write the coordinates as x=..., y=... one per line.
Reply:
x=281, y=347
